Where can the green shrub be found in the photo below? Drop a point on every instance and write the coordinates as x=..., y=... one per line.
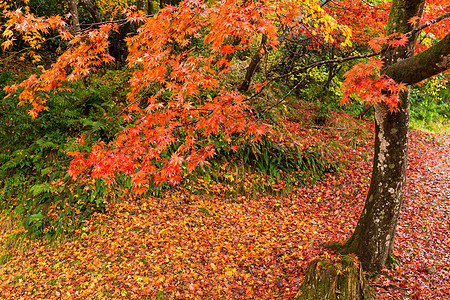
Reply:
x=431, y=102
x=33, y=153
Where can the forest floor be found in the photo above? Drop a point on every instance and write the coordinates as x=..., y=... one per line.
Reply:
x=189, y=246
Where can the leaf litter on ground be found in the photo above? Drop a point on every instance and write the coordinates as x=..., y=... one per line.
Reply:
x=188, y=246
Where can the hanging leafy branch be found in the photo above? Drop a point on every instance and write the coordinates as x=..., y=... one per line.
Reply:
x=181, y=55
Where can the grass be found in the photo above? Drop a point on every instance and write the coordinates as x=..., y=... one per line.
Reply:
x=431, y=127
x=12, y=239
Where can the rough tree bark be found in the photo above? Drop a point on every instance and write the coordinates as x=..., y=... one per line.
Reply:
x=163, y=3
x=150, y=9
x=140, y=5
x=345, y=280
x=73, y=8
x=365, y=110
x=423, y=65
x=146, y=6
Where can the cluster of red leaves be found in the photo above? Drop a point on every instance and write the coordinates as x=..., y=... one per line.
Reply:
x=394, y=40
x=186, y=246
x=32, y=26
x=87, y=52
x=190, y=99
x=365, y=20
x=178, y=60
x=368, y=22
x=193, y=101
x=363, y=82
x=433, y=9
x=190, y=105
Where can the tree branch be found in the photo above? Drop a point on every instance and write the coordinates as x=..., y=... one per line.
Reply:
x=251, y=69
x=423, y=65
x=428, y=24
x=92, y=10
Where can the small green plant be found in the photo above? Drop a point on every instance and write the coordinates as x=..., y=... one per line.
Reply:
x=160, y=296
x=204, y=210
x=394, y=262
x=5, y=258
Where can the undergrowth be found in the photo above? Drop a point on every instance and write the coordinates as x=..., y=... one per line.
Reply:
x=259, y=168
x=307, y=139
x=34, y=185
x=430, y=107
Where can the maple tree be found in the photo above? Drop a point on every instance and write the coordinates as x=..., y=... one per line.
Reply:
x=372, y=240
x=179, y=92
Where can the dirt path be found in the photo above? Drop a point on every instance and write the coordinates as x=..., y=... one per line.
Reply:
x=423, y=235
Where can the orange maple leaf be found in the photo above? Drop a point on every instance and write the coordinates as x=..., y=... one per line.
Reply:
x=414, y=20
x=399, y=41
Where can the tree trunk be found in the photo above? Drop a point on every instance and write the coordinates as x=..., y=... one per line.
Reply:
x=73, y=8
x=145, y=5
x=93, y=11
x=150, y=7
x=428, y=63
x=251, y=69
x=373, y=238
x=365, y=110
x=333, y=70
x=163, y=3
x=141, y=5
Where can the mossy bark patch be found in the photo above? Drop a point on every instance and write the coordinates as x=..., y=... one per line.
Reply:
x=343, y=280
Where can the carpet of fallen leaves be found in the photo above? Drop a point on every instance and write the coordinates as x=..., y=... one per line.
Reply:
x=422, y=247
x=188, y=246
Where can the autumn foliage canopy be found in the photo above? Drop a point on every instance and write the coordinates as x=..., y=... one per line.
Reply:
x=179, y=61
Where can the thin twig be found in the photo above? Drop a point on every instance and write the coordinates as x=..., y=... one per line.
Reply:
x=428, y=24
